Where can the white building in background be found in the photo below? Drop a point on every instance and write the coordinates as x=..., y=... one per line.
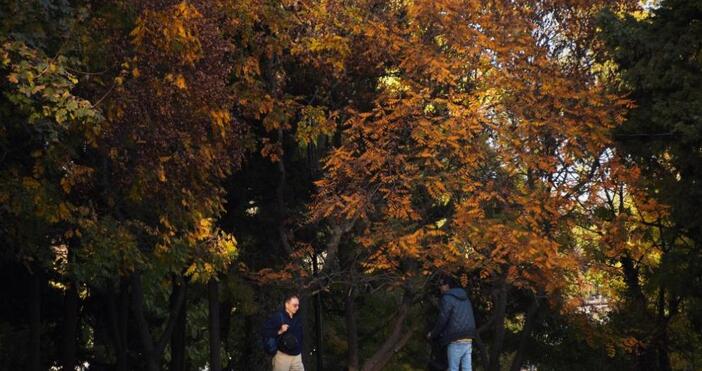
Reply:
x=597, y=306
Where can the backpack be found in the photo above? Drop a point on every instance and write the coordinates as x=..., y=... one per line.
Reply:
x=270, y=343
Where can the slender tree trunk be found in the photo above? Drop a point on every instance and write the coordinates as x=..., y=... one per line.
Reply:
x=351, y=331
x=178, y=336
x=35, y=322
x=153, y=349
x=526, y=335
x=70, y=327
x=500, y=309
x=122, y=329
x=399, y=335
x=317, y=319
x=213, y=299
x=662, y=331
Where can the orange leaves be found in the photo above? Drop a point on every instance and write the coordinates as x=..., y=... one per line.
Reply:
x=171, y=30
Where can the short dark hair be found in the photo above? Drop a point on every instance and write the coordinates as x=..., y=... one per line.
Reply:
x=290, y=297
x=446, y=279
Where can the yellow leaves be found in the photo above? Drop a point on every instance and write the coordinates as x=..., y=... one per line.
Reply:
x=324, y=49
x=220, y=119
x=173, y=30
x=313, y=124
x=64, y=212
x=251, y=68
x=75, y=175
x=187, y=11
x=213, y=251
x=30, y=184
x=135, y=72
x=203, y=229
x=178, y=80
x=161, y=173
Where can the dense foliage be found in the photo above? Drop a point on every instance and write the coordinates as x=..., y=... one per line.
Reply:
x=170, y=169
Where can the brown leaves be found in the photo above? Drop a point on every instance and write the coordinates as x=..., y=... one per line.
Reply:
x=477, y=124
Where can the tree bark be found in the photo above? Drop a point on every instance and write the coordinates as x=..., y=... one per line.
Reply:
x=70, y=327
x=525, y=335
x=122, y=329
x=153, y=350
x=317, y=319
x=35, y=322
x=399, y=335
x=500, y=309
x=118, y=315
x=351, y=330
x=178, y=336
x=213, y=299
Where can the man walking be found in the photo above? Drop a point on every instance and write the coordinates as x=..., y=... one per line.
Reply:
x=455, y=326
x=286, y=327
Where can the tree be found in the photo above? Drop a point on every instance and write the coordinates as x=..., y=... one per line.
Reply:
x=655, y=62
x=487, y=127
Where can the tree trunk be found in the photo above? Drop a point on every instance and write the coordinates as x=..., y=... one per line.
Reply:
x=35, y=322
x=351, y=331
x=500, y=309
x=213, y=299
x=178, y=336
x=317, y=319
x=662, y=333
x=118, y=314
x=122, y=329
x=70, y=327
x=397, y=339
x=153, y=350
x=526, y=335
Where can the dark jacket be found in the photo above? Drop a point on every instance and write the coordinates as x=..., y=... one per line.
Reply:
x=456, y=319
x=277, y=320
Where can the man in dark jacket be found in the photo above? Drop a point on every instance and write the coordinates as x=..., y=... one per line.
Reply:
x=286, y=326
x=456, y=325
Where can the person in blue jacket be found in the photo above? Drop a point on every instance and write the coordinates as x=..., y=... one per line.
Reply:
x=285, y=325
x=455, y=327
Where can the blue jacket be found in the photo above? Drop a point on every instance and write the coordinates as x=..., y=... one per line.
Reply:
x=280, y=317
x=456, y=319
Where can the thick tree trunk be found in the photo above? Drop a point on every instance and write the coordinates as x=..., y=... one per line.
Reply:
x=118, y=315
x=526, y=335
x=213, y=299
x=70, y=327
x=351, y=331
x=122, y=329
x=178, y=336
x=500, y=309
x=631, y=278
x=35, y=322
x=399, y=335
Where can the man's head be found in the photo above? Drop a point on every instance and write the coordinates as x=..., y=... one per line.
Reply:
x=292, y=304
x=446, y=283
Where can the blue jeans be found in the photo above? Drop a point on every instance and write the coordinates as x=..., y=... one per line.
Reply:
x=459, y=354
